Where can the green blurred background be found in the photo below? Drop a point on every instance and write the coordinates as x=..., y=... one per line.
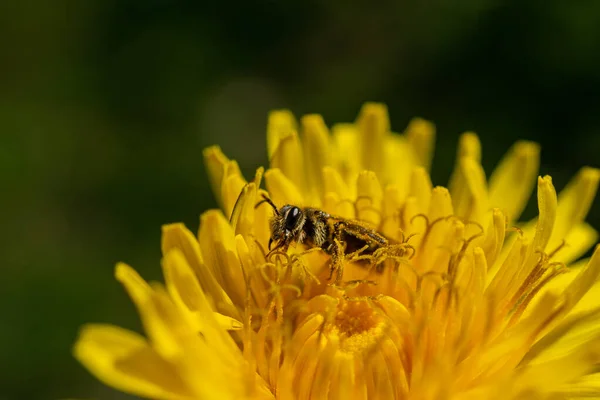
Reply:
x=105, y=107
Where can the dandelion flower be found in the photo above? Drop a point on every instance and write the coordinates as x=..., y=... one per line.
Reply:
x=479, y=306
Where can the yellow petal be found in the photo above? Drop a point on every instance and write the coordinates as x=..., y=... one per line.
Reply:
x=258, y=287
x=467, y=158
x=480, y=269
x=334, y=205
x=347, y=151
x=469, y=197
x=409, y=223
x=181, y=281
x=282, y=190
x=177, y=236
x=551, y=375
x=317, y=151
x=499, y=283
x=421, y=136
x=280, y=124
x=395, y=310
x=243, y=214
x=420, y=188
x=142, y=296
x=494, y=238
x=440, y=205
x=400, y=160
x=262, y=215
x=334, y=183
x=559, y=283
x=210, y=324
x=580, y=239
x=434, y=249
x=234, y=217
x=287, y=154
x=217, y=243
x=215, y=162
x=232, y=186
x=392, y=208
x=586, y=278
x=574, y=202
x=374, y=126
x=469, y=146
x=175, y=339
x=547, y=215
x=185, y=290
x=513, y=179
x=444, y=239
x=565, y=338
x=547, y=203
x=124, y=360
x=369, y=195
x=208, y=360
x=228, y=323
x=586, y=387
x=137, y=288
x=510, y=348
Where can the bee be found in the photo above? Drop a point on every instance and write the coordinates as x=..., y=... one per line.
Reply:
x=336, y=236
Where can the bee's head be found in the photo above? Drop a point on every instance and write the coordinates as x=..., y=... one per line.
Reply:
x=286, y=225
x=287, y=222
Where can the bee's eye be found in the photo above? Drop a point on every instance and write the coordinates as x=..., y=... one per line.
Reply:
x=291, y=218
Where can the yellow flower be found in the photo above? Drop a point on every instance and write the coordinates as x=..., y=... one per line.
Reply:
x=474, y=308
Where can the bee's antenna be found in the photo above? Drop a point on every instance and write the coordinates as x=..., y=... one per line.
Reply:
x=269, y=202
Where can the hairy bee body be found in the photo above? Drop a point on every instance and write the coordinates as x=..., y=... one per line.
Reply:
x=313, y=227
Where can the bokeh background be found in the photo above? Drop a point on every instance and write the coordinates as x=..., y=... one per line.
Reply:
x=106, y=105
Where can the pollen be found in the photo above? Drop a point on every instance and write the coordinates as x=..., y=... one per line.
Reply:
x=356, y=326
x=354, y=318
x=466, y=302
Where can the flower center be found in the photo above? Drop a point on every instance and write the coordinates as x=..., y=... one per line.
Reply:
x=356, y=326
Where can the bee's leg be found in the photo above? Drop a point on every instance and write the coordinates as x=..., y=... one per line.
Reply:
x=353, y=284
x=337, y=253
x=368, y=299
x=357, y=253
x=337, y=257
x=337, y=261
x=398, y=253
x=330, y=249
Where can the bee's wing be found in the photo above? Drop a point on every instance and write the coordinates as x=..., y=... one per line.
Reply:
x=362, y=231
